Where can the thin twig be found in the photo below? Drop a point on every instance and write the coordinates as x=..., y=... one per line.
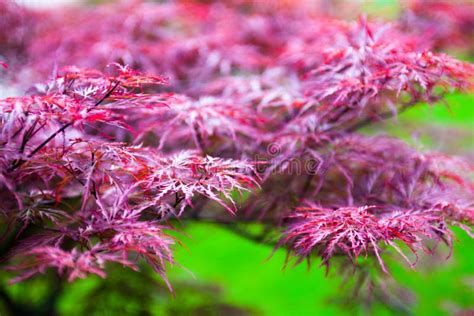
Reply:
x=20, y=162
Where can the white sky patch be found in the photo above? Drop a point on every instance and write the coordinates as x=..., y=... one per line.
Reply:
x=47, y=4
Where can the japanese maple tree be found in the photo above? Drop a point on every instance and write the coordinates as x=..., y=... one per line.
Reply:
x=148, y=114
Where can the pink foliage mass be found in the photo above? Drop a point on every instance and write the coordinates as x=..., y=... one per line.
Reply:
x=157, y=111
x=443, y=23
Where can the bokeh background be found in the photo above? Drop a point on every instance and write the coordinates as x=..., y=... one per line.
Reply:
x=221, y=273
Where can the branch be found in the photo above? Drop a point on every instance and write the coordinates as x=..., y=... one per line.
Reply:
x=381, y=117
x=20, y=162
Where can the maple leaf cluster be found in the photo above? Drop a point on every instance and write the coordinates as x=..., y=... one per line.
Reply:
x=70, y=175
